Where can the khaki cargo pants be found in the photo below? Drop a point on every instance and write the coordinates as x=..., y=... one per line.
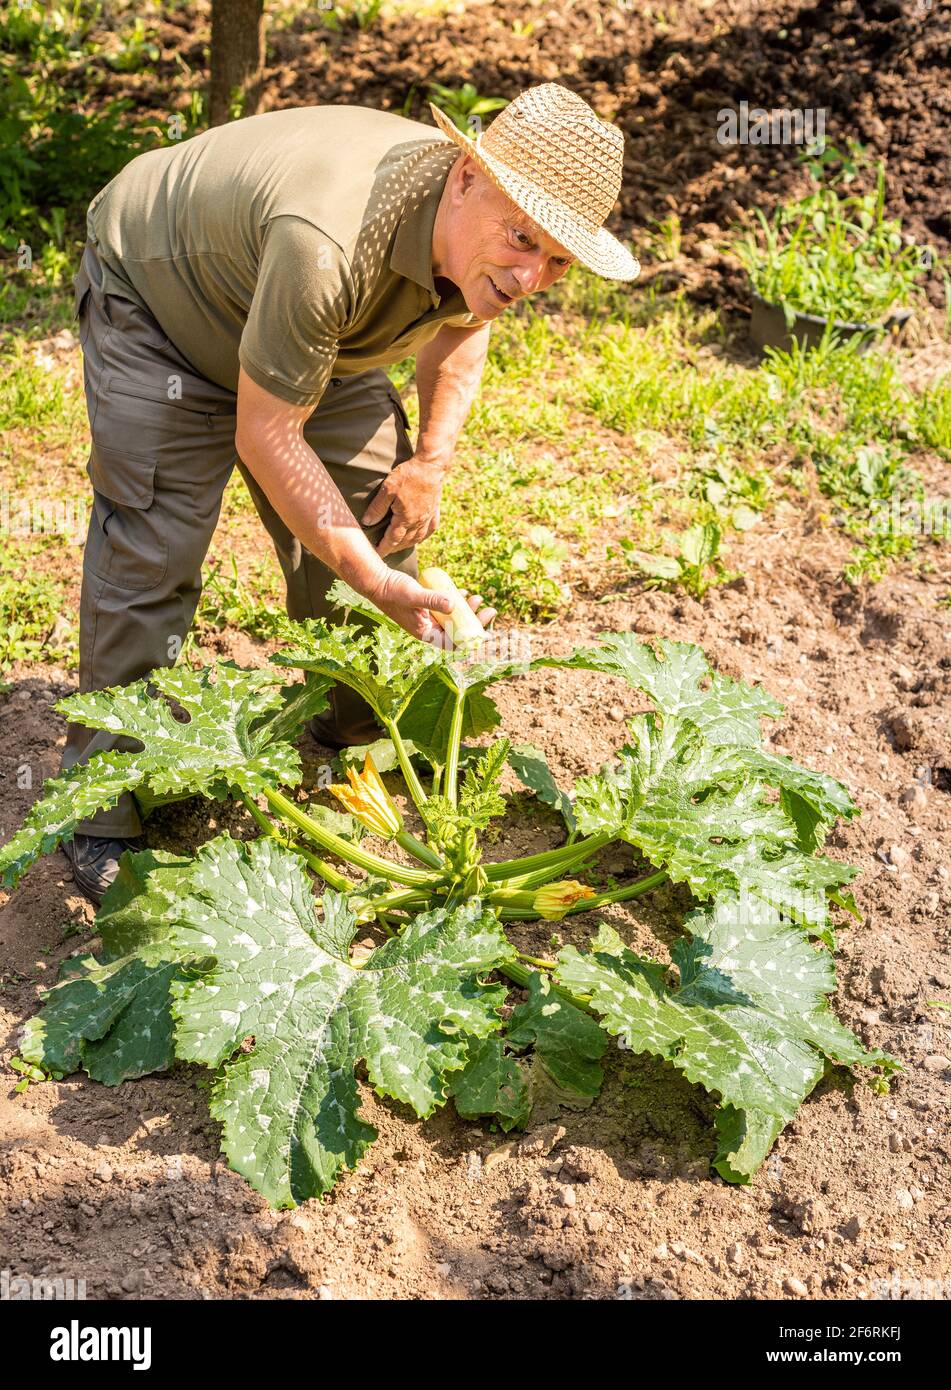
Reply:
x=162, y=451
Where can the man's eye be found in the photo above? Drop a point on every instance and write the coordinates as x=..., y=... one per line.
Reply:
x=522, y=238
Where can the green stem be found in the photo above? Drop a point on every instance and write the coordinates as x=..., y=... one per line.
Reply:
x=415, y=786
x=537, y=960
x=320, y=866
x=352, y=854
x=452, y=756
x=542, y=876
x=554, y=858
x=419, y=851
x=402, y=897
x=521, y=975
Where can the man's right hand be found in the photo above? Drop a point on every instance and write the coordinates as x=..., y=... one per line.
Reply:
x=404, y=599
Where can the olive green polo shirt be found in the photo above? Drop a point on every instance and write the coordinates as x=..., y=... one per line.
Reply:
x=297, y=243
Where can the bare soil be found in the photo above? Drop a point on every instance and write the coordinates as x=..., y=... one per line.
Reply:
x=125, y=1189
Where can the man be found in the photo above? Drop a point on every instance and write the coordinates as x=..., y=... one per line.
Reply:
x=238, y=298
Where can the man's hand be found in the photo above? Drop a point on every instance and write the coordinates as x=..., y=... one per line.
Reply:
x=448, y=370
x=403, y=598
x=412, y=493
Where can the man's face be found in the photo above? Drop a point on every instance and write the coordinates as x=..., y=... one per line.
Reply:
x=491, y=249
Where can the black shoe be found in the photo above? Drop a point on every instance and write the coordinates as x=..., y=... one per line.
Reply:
x=95, y=861
x=323, y=729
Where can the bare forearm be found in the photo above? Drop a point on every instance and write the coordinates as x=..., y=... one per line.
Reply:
x=311, y=505
x=448, y=372
x=270, y=441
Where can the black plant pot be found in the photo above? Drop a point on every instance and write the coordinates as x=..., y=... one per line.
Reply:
x=768, y=327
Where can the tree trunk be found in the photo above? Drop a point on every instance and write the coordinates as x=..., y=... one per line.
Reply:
x=237, y=56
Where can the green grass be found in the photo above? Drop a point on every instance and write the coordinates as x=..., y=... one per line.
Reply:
x=835, y=254
x=30, y=604
x=251, y=604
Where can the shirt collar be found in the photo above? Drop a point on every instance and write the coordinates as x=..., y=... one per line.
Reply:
x=412, y=254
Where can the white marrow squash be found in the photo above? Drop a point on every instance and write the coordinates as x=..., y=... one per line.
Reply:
x=462, y=624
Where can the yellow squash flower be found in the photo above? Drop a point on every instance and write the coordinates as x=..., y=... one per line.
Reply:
x=553, y=901
x=368, y=800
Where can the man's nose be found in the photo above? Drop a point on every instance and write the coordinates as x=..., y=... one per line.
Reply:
x=529, y=274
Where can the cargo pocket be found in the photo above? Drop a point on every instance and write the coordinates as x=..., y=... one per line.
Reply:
x=130, y=545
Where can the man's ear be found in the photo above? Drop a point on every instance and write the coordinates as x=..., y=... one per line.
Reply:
x=467, y=174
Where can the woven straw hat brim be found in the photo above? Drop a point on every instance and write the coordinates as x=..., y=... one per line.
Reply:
x=598, y=250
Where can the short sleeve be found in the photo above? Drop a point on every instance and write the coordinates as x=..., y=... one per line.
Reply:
x=300, y=306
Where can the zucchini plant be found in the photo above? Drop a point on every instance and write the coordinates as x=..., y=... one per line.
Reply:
x=241, y=957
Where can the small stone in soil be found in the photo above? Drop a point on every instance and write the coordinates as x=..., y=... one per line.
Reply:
x=914, y=798
x=795, y=1287
x=542, y=1141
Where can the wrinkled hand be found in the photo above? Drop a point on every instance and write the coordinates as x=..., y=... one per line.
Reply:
x=404, y=599
x=412, y=493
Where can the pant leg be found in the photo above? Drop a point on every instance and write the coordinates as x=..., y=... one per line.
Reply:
x=359, y=431
x=161, y=453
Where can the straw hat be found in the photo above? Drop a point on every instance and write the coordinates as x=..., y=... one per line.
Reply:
x=560, y=164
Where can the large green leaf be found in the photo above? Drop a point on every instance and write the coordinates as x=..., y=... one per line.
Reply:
x=400, y=677
x=494, y=1082
x=112, y=1016
x=382, y=664
x=143, y=901
x=567, y=1045
x=749, y=1019
x=745, y=1139
x=290, y=1106
x=65, y=801
x=300, y=703
x=428, y=717
x=567, y=1041
x=223, y=739
x=679, y=680
x=827, y=798
x=700, y=811
x=531, y=767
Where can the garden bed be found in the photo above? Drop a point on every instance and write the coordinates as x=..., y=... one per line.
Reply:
x=125, y=1187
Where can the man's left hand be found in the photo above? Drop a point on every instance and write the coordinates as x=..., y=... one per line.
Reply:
x=411, y=492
